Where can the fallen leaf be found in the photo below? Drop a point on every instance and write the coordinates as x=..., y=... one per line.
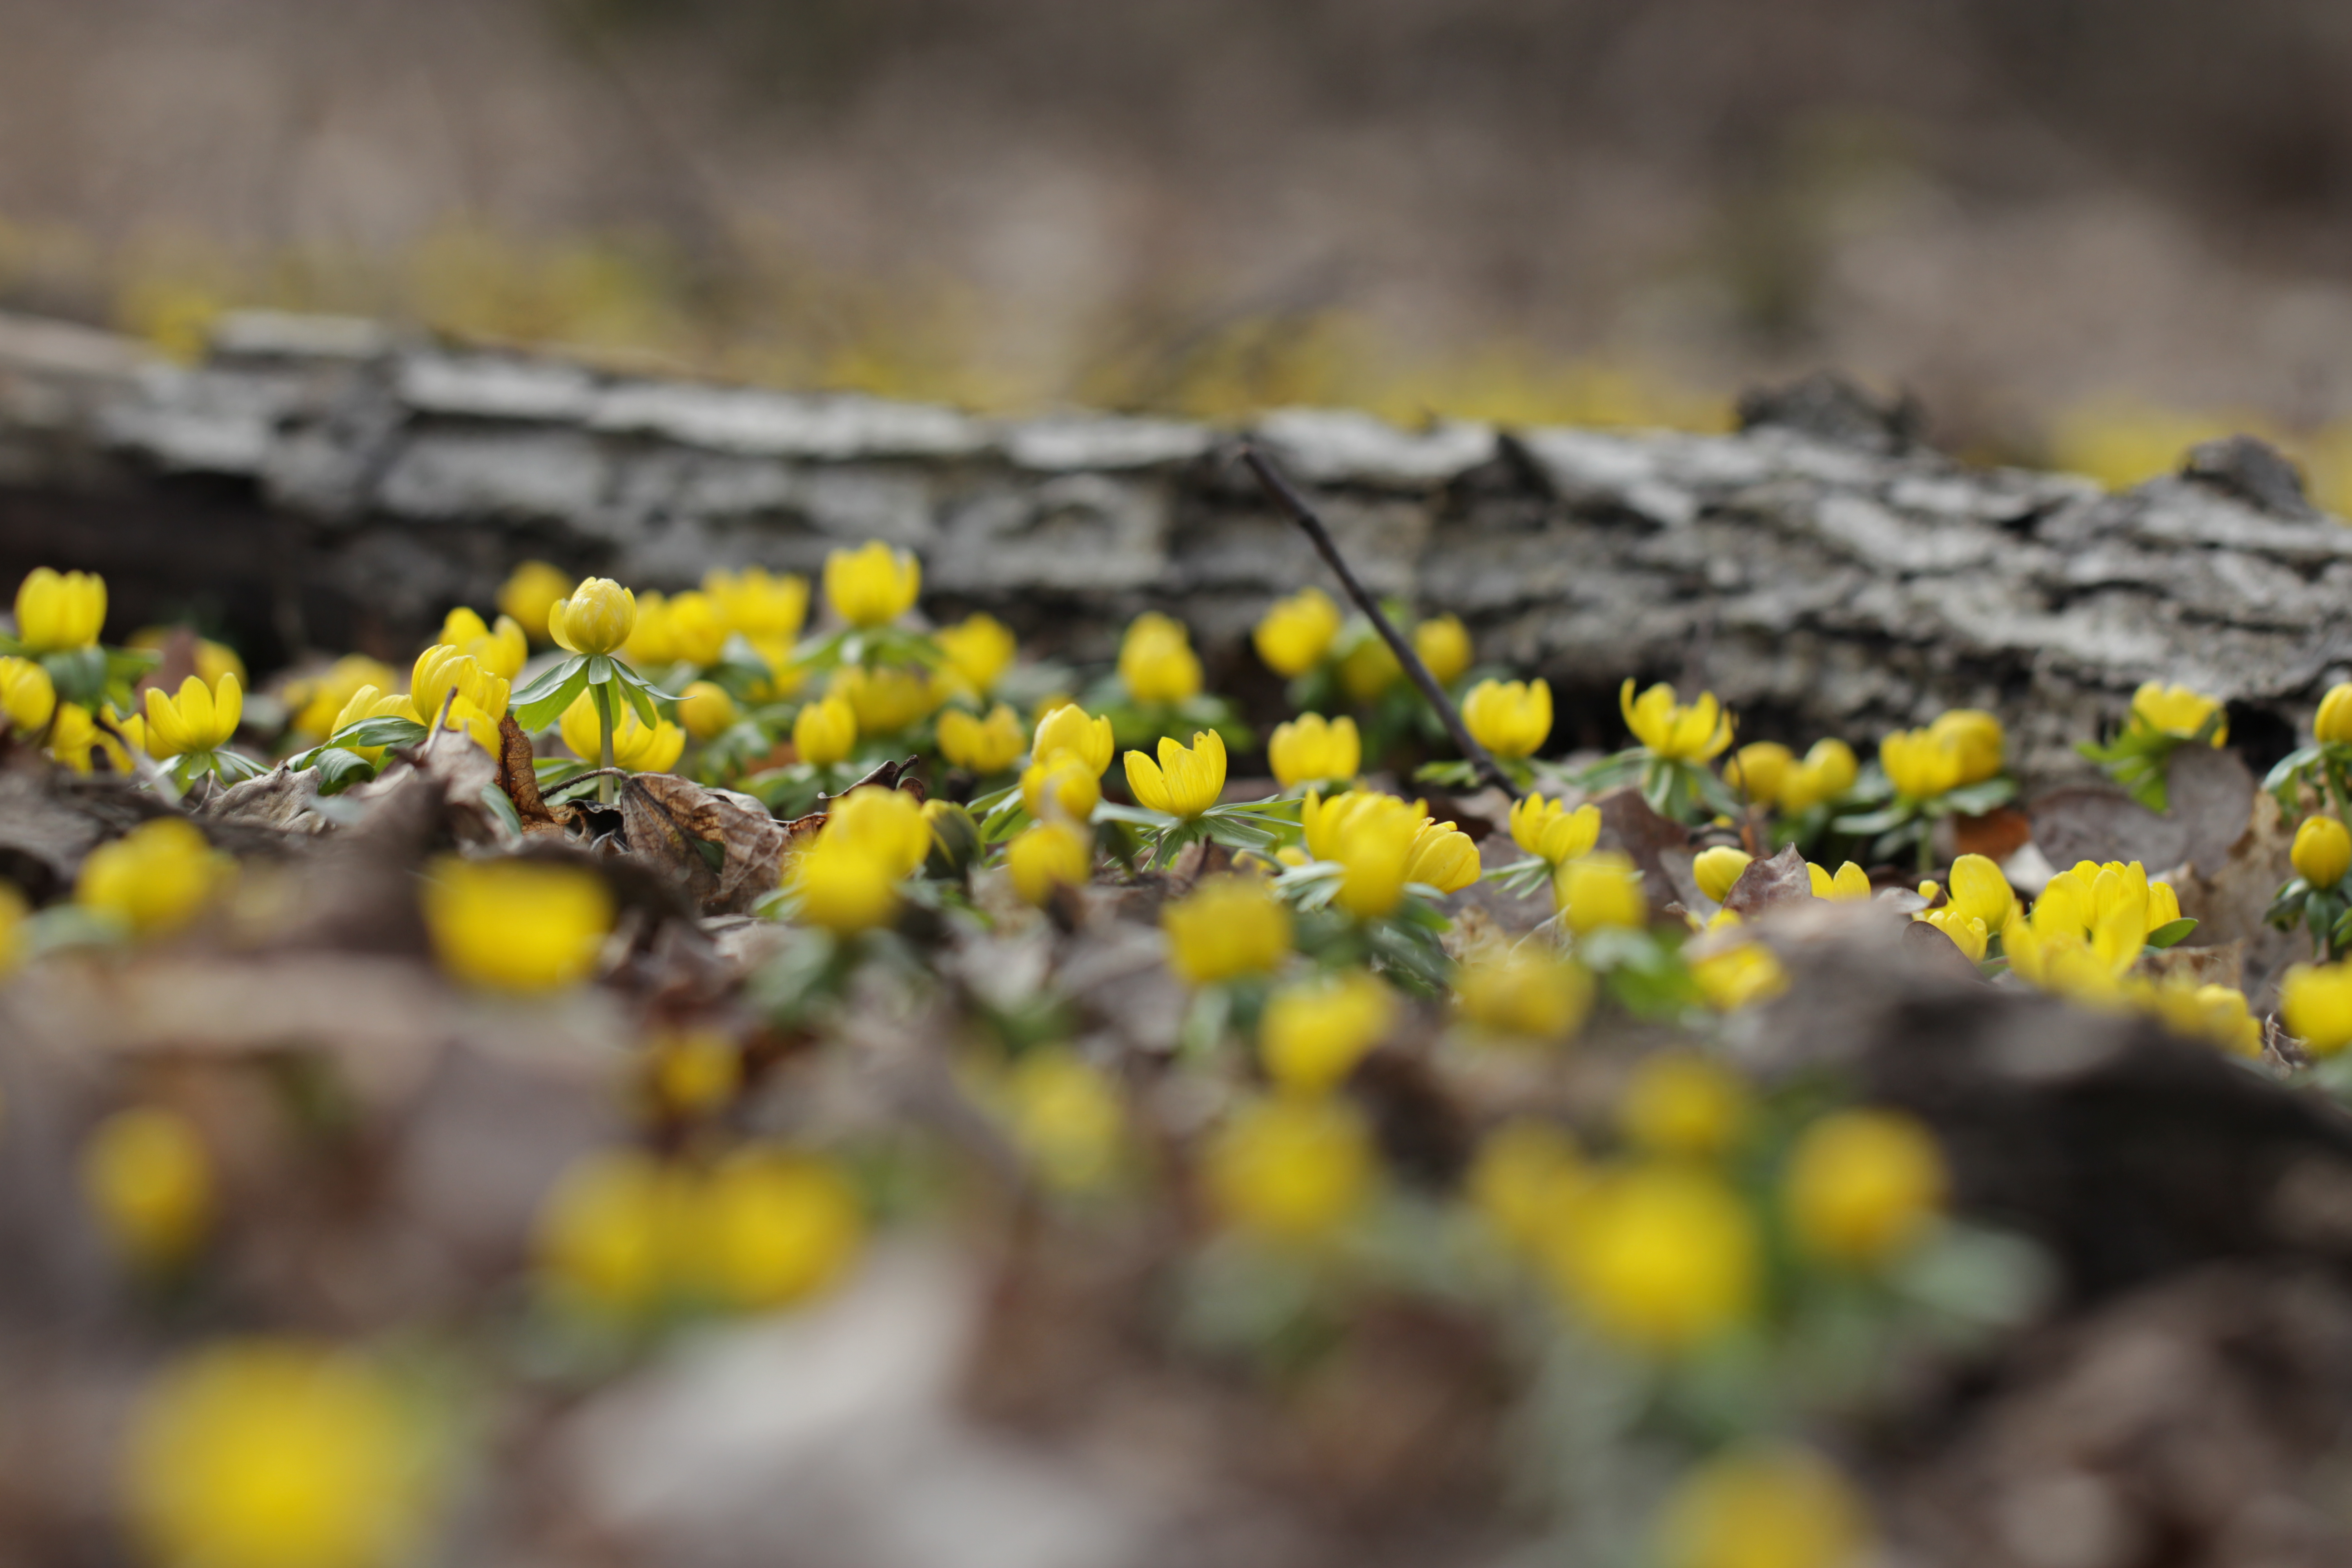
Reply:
x=668, y=819
x=1769, y=884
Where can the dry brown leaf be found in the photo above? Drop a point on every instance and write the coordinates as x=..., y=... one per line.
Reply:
x=669, y=818
x=1769, y=884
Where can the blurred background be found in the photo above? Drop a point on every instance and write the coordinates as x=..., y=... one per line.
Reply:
x=2084, y=231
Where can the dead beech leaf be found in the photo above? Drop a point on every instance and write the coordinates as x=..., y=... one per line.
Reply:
x=1996, y=835
x=668, y=820
x=519, y=778
x=1628, y=824
x=1769, y=884
x=2212, y=800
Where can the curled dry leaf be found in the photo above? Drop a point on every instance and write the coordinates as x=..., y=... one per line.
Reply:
x=1768, y=884
x=669, y=820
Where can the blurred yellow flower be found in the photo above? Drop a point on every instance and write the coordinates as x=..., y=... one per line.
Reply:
x=1864, y=1186
x=1066, y=1118
x=2333, y=724
x=1968, y=933
x=1368, y=668
x=1758, y=769
x=652, y=642
x=74, y=734
x=1185, y=781
x=606, y=1228
x=500, y=650
x=1738, y=975
x=1442, y=856
x=984, y=746
x=1372, y=835
x=696, y=628
x=634, y=748
x=1660, y=1256
x=771, y=1227
x=59, y=612
x=1227, y=927
x=1976, y=738
x=2315, y=1004
x=154, y=878
x=1683, y=1105
x=1527, y=1181
x=1512, y=719
x=271, y=1453
x=764, y=606
x=885, y=697
x=1851, y=881
x=1294, y=633
x=2321, y=852
x=1312, y=1034
x=872, y=584
x=515, y=925
x=212, y=659
x=27, y=696
x=146, y=1176
x=1156, y=662
x=1919, y=763
x=317, y=699
x=200, y=719
x=529, y=594
x=1764, y=1508
x=2210, y=1012
x=2176, y=710
x=1666, y=728
x=1062, y=785
x=705, y=710
x=1545, y=828
x=1069, y=727
x=825, y=731
x=1717, y=867
x=1443, y=644
x=692, y=1072
x=1291, y=1168
x=597, y=616
x=1828, y=771
x=1526, y=995
x=1047, y=856
x=979, y=649
x=1310, y=749
x=1596, y=891
x=844, y=887
x=888, y=823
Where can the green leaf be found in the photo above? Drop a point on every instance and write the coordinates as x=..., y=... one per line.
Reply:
x=1239, y=833
x=79, y=676
x=1976, y=799
x=339, y=769
x=600, y=669
x=537, y=712
x=551, y=679
x=646, y=713
x=1879, y=821
x=386, y=730
x=503, y=809
x=2292, y=764
x=1141, y=815
x=235, y=769
x=2171, y=933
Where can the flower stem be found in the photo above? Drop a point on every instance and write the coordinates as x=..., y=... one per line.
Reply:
x=604, y=690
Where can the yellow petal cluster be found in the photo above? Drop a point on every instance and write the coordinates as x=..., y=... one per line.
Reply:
x=706, y=709
x=500, y=650
x=1442, y=857
x=1313, y=1034
x=1920, y=763
x=1778, y=1507
x=1156, y=661
x=1528, y=1178
x=1758, y=769
x=1185, y=781
x=636, y=748
x=529, y=594
x=199, y=719
x=885, y=824
x=1976, y=738
x=1068, y=728
x=1862, y=1186
x=27, y=696
x=1311, y=749
x=1828, y=771
x=825, y=732
x=1698, y=733
x=148, y=1178
x=1524, y=995
x=318, y=699
x=1512, y=719
x=1717, y=867
x=1368, y=668
x=1683, y=1105
x=1372, y=835
x=1291, y=1168
x=1850, y=882
x=597, y=616
x=886, y=698
x=2321, y=852
x=983, y=746
x=2333, y=724
x=1227, y=927
x=1661, y=1256
x=764, y=606
x=1067, y=1117
x=367, y=703
x=1294, y=633
x=1060, y=787
x=515, y=925
x=872, y=584
x=1738, y=975
x=2315, y=1004
x=57, y=612
x=1443, y=644
x=1548, y=830
x=153, y=878
x=1046, y=856
x=1594, y=892
x=2176, y=710
x=2214, y=1012
x=980, y=649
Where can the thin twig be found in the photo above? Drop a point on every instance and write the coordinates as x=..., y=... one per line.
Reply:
x=1286, y=496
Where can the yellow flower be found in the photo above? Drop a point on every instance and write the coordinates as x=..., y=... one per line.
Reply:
x=1595, y=892
x=367, y=703
x=1683, y=1105
x=146, y=1176
x=705, y=709
x=634, y=748
x=1661, y=1256
x=887, y=824
x=769, y=1228
x=1851, y=881
x=692, y=1072
x=1068, y=728
x=1696, y=733
x=316, y=700
x=2218, y=1014
x=1760, y=768
x=1717, y=867
x=1525, y=995
x=1369, y=667
x=1511, y=719
x=1977, y=738
x=2333, y=724
x=1968, y=933
x=764, y=606
x=1313, y=1034
x=1156, y=662
x=1310, y=749
x=885, y=697
x=2323, y=851
x=27, y=696
x=597, y=616
x=1920, y=765
x=2316, y=1003
x=1183, y=781
x=200, y=719
x=1067, y=1117
x=1443, y=644
x=1372, y=835
x=515, y=925
x=2176, y=710
x=1227, y=927
x=984, y=746
x=2114, y=904
x=979, y=649
x=1738, y=975
x=153, y=878
x=872, y=584
x=606, y=1228
x=844, y=887
x=1545, y=828
x=1764, y=1508
x=1048, y=856
x=500, y=650
x=1295, y=633
x=74, y=734
x=59, y=612
x=1862, y=1185
x=271, y=1454
x=651, y=644
x=529, y=592
x=1442, y=857
x=825, y=732
x=1327, y=823
x=1528, y=1179
x=696, y=628
x=1979, y=891
x=783, y=677
x=1828, y=771
x=1062, y=782
x=1291, y=1168
x=443, y=670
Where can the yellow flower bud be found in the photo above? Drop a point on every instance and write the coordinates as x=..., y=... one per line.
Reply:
x=1185, y=781
x=1980, y=892
x=1543, y=827
x=1295, y=633
x=985, y=746
x=697, y=631
x=2321, y=852
x=1443, y=644
x=2176, y=710
x=844, y=887
x=1048, y=856
x=605, y=1231
x=596, y=617
x=885, y=697
x=1227, y=927
x=27, y=696
x=1368, y=668
x=1717, y=867
x=1070, y=727
x=1442, y=857
x=1525, y=995
x=1739, y=975
x=1313, y=1034
x=693, y=1072
x=1512, y=719
x=1977, y=738
x=705, y=709
x=153, y=878
x=1067, y=1117
x=2216, y=1014
x=1758, y=769
x=1595, y=892
x=1764, y=1508
x=1156, y=662
x=1828, y=771
x=59, y=612
x=1310, y=749
x=1291, y=1168
x=146, y=1176
x=529, y=592
x=764, y=607
x=2316, y=1002
x=825, y=732
x=2333, y=725
x=1851, y=881
x=200, y=719
x=769, y=1228
x=872, y=584
x=515, y=925
x=1060, y=785
x=979, y=649
x=1919, y=763
x=1661, y=1258
x=887, y=824
x=1683, y=1105
x=1696, y=733
x=1862, y=1185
